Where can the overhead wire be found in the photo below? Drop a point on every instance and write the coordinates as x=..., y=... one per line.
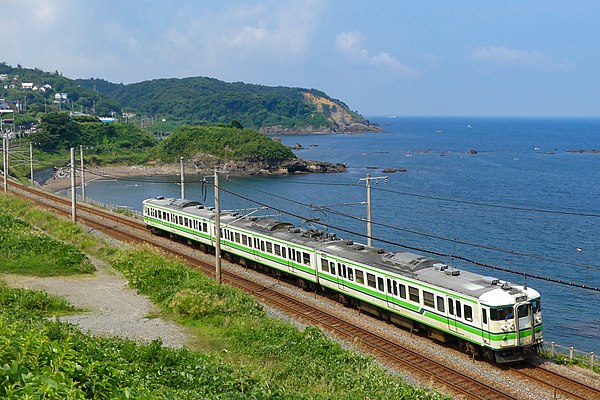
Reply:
x=436, y=253
x=425, y=234
x=129, y=179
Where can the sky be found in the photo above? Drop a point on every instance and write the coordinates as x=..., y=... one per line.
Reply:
x=387, y=57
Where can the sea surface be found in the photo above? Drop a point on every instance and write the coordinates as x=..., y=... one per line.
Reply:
x=504, y=192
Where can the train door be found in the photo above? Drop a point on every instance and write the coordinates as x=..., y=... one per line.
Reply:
x=454, y=314
x=391, y=293
x=258, y=246
x=342, y=275
x=524, y=324
x=485, y=325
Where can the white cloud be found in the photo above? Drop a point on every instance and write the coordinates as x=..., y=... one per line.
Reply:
x=507, y=56
x=351, y=45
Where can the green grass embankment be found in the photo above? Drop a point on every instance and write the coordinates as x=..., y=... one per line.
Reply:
x=248, y=354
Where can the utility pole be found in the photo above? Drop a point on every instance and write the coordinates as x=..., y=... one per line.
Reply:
x=5, y=144
x=369, y=220
x=4, y=163
x=73, y=194
x=82, y=178
x=217, y=231
x=31, y=161
x=182, y=182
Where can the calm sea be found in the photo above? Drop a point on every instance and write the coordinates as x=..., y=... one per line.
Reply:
x=521, y=191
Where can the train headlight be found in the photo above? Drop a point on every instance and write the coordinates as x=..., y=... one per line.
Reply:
x=538, y=320
x=505, y=328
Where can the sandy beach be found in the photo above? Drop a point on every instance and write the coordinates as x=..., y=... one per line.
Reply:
x=57, y=184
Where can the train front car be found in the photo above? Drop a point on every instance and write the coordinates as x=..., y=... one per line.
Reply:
x=512, y=322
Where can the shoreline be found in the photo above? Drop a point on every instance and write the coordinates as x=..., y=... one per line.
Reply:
x=55, y=184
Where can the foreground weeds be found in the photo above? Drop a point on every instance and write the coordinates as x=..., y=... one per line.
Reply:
x=252, y=356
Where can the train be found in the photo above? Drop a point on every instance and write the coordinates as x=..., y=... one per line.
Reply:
x=487, y=317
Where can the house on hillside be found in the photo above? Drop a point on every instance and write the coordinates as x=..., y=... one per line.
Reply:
x=27, y=85
x=61, y=97
x=3, y=77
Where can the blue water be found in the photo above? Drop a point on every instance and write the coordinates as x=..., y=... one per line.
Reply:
x=519, y=163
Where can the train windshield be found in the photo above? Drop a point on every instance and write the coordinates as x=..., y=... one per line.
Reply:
x=501, y=314
x=536, y=306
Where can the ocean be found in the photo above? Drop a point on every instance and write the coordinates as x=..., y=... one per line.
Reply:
x=509, y=193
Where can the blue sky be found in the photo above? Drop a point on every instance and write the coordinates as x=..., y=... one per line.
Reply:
x=464, y=58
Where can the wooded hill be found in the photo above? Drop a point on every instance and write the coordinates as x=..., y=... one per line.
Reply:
x=201, y=100
x=169, y=103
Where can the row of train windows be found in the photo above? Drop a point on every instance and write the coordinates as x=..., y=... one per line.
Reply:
x=178, y=219
x=266, y=246
x=399, y=290
x=248, y=241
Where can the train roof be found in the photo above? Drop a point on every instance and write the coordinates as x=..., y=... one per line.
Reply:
x=410, y=265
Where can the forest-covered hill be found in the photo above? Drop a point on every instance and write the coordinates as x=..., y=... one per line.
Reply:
x=169, y=103
x=201, y=100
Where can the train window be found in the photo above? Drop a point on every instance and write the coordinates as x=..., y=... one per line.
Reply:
x=292, y=254
x=180, y=220
x=185, y=221
x=277, y=250
x=484, y=315
x=440, y=304
x=283, y=250
x=389, y=285
x=395, y=286
x=269, y=247
x=380, y=284
x=360, y=278
x=332, y=267
x=244, y=240
x=458, y=309
x=204, y=227
x=262, y=245
x=237, y=237
x=468, y=313
x=306, y=258
x=536, y=306
x=499, y=314
x=428, y=299
x=413, y=294
x=350, y=274
x=324, y=265
x=371, y=280
x=523, y=311
x=344, y=274
x=450, y=306
x=402, y=291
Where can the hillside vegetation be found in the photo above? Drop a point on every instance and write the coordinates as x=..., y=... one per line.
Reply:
x=201, y=100
x=35, y=102
x=223, y=142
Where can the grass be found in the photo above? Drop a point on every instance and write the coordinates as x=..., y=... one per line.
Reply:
x=248, y=354
x=26, y=250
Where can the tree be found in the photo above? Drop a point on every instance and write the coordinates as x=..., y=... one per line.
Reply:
x=58, y=131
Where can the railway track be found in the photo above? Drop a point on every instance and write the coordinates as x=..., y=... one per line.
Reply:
x=393, y=354
x=558, y=386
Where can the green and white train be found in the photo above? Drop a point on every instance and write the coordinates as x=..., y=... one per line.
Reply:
x=486, y=316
